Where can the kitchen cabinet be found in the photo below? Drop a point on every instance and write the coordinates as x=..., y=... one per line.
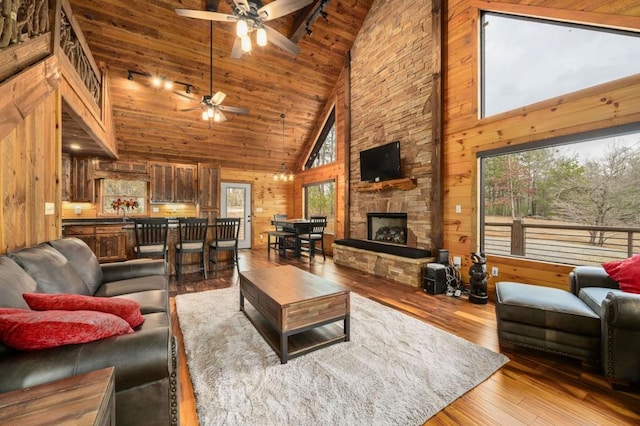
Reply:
x=173, y=183
x=209, y=191
x=108, y=242
x=77, y=179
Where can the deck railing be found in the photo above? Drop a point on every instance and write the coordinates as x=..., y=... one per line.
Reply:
x=569, y=244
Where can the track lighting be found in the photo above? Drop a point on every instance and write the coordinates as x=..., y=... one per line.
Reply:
x=160, y=82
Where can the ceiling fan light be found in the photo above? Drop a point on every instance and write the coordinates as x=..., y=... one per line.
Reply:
x=242, y=29
x=276, y=176
x=210, y=112
x=205, y=115
x=216, y=116
x=290, y=177
x=168, y=84
x=261, y=37
x=245, y=43
x=156, y=81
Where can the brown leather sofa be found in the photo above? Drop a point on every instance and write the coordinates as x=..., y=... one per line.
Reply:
x=595, y=322
x=145, y=361
x=620, y=322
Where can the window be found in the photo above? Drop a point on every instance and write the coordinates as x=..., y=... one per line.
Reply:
x=125, y=190
x=571, y=200
x=519, y=67
x=324, y=151
x=319, y=200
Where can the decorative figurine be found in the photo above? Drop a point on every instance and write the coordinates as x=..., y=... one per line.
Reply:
x=478, y=279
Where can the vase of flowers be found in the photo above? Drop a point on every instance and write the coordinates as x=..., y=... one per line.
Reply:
x=124, y=205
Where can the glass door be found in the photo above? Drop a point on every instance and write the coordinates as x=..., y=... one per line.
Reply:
x=236, y=202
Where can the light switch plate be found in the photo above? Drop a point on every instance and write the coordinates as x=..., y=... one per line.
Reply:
x=49, y=208
x=155, y=209
x=78, y=210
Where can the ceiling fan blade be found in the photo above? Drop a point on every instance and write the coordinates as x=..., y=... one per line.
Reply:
x=242, y=5
x=280, y=8
x=281, y=41
x=190, y=109
x=209, y=16
x=218, y=98
x=237, y=110
x=236, y=50
x=222, y=117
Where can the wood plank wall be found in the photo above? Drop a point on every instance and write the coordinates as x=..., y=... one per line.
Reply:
x=30, y=158
x=269, y=197
x=465, y=135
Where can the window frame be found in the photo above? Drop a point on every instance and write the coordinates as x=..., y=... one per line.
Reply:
x=565, y=140
x=143, y=207
x=330, y=229
x=328, y=125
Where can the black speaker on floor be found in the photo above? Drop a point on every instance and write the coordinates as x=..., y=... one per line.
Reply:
x=443, y=256
x=435, y=278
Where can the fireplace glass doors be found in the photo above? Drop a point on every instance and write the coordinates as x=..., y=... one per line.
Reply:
x=387, y=227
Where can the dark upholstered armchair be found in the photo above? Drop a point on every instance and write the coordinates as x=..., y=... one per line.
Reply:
x=620, y=322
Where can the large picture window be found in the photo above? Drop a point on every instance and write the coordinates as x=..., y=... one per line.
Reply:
x=572, y=201
x=320, y=200
x=526, y=60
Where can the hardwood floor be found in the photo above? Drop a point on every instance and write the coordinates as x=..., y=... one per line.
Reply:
x=533, y=388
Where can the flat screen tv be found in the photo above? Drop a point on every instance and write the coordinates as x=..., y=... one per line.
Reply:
x=380, y=163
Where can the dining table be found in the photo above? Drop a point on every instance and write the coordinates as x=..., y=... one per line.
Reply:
x=298, y=226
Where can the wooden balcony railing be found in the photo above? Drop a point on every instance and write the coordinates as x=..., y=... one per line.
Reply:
x=569, y=244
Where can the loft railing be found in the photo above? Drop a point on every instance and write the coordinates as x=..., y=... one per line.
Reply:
x=32, y=30
x=569, y=244
x=78, y=53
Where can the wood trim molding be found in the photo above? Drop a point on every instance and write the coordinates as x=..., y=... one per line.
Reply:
x=620, y=22
x=437, y=132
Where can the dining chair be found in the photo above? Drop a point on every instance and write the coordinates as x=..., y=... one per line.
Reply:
x=192, y=237
x=315, y=234
x=226, y=233
x=283, y=239
x=151, y=238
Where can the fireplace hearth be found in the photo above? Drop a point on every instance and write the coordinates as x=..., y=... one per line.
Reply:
x=387, y=228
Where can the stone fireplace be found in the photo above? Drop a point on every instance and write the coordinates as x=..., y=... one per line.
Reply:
x=387, y=227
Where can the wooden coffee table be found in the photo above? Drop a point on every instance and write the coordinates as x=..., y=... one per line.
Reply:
x=295, y=311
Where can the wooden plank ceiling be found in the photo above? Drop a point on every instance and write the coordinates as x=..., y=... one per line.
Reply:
x=149, y=37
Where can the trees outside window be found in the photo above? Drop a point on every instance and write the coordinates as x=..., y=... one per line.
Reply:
x=324, y=151
x=320, y=200
x=580, y=198
x=124, y=190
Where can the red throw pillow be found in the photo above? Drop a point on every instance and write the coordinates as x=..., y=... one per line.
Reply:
x=626, y=273
x=128, y=310
x=27, y=330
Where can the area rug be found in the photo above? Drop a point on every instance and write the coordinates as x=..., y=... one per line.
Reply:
x=396, y=370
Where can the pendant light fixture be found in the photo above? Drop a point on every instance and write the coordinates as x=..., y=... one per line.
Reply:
x=282, y=174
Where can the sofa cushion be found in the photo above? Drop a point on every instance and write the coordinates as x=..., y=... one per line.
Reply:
x=83, y=260
x=50, y=269
x=14, y=281
x=546, y=307
x=593, y=297
x=626, y=273
x=27, y=330
x=127, y=309
x=132, y=285
x=150, y=301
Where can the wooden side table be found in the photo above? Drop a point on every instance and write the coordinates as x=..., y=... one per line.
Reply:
x=85, y=399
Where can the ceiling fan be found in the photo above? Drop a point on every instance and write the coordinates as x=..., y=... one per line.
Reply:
x=212, y=104
x=250, y=15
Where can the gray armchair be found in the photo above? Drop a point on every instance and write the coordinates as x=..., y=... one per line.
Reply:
x=620, y=323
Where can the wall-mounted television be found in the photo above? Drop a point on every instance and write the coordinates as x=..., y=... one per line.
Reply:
x=380, y=163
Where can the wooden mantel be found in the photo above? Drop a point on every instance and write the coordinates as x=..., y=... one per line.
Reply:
x=403, y=184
